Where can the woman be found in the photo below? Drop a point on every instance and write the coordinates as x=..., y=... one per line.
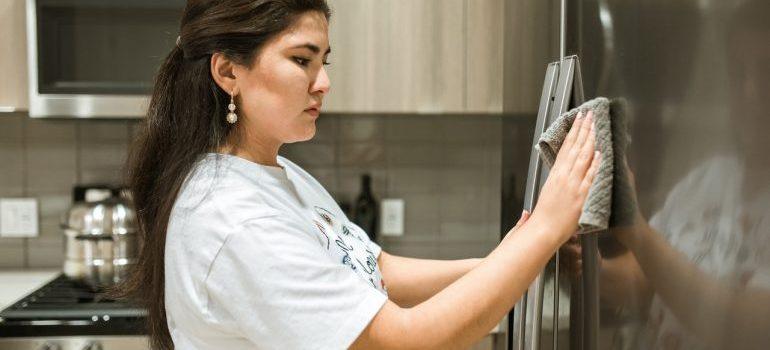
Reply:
x=243, y=249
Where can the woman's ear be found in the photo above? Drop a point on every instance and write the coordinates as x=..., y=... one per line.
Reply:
x=223, y=72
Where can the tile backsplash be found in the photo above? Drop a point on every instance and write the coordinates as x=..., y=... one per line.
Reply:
x=43, y=159
x=447, y=168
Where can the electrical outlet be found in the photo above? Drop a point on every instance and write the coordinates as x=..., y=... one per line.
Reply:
x=392, y=217
x=18, y=217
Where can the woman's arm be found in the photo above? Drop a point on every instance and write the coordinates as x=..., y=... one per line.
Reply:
x=411, y=281
x=467, y=309
x=623, y=282
x=718, y=313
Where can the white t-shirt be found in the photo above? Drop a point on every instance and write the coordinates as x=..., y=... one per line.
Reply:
x=262, y=257
x=706, y=218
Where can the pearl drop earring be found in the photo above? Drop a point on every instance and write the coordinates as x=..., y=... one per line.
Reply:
x=231, y=116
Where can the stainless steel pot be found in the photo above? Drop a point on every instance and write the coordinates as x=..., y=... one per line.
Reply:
x=101, y=242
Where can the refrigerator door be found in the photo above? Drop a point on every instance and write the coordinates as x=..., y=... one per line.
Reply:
x=693, y=272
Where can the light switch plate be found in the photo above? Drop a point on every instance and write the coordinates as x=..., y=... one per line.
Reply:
x=392, y=217
x=18, y=217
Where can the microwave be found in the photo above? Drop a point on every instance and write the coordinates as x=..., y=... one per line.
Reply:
x=97, y=58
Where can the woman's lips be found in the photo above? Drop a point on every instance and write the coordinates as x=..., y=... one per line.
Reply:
x=313, y=111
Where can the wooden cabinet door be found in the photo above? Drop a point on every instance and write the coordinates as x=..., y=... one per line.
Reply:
x=484, y=48
x=421, y=56
x=351, y=32
x=397, y=56
x=416, y=56
x=13, y=60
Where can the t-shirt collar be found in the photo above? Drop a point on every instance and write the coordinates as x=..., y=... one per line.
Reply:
x=266, y=172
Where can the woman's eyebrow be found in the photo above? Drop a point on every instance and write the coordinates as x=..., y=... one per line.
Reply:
x=313, y=48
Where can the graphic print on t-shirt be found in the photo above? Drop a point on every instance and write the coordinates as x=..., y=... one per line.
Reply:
x=345, y=242
x=323, y=232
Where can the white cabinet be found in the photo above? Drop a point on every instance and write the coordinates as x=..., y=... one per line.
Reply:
x=416, y=56
x=13, y=56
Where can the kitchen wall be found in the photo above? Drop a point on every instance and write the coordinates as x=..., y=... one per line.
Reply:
x=43, y=159
x=446, y=167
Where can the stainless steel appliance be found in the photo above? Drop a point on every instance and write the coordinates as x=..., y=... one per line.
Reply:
x=65, y=315
x=694, y=74
x=101, y=243
x=70, y=311
x=96, y=58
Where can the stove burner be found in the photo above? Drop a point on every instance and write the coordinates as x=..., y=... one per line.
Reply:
x=66, y=307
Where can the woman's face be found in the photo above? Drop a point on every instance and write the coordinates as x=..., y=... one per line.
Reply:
x=280, y=96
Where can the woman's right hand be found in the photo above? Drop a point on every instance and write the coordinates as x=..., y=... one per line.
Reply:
x=566, y=189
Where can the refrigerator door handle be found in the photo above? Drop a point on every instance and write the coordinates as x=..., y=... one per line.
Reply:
x=562, y=88
x=520, y=312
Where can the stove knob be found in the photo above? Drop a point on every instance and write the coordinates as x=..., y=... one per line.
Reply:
x=50, y=346
x=92, y=346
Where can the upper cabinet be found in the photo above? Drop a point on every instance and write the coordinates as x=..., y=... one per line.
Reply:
x=13, y=56
x=388, y=56
x=484, y=56
x=416, y=56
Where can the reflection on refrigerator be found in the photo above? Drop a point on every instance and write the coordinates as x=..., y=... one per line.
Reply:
x=693, y=269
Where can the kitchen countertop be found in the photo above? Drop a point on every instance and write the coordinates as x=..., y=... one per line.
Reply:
x=16, y=283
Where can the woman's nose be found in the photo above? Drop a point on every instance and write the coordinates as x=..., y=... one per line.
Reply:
x=321, y=83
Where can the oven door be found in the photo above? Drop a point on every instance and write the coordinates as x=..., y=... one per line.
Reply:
x=97, y=58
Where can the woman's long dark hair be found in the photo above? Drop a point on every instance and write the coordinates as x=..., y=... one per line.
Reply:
x=185, y=120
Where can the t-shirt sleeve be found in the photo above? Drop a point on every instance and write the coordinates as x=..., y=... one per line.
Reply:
x=277, y=286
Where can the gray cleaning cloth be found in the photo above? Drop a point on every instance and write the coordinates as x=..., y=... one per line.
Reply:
x=610, y=199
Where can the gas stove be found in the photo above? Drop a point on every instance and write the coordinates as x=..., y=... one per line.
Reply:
x=64, y=314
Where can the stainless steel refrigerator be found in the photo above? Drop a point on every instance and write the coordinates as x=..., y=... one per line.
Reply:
x=693, y=272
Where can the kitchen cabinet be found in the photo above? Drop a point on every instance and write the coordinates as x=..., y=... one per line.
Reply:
x=13, y=60
x=484, y=55
x=351, y=71
x=393, y=56
x=421, y=53
x=416, y=56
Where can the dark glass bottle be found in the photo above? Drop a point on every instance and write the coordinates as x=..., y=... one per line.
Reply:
x=365, y=213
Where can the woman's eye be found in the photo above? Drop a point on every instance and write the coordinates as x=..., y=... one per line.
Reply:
x=306, y=61
x=302, y=61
